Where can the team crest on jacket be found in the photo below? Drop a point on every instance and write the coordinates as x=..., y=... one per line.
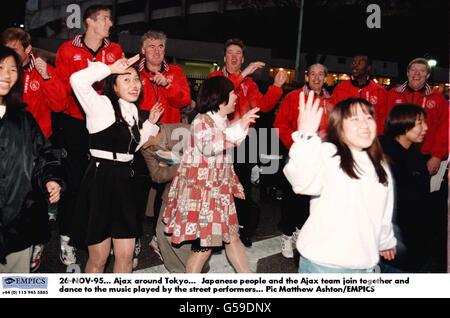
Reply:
x=373, y=99
x=430, y=104
x=110, y=57
x=77, y=57
x=34, y=85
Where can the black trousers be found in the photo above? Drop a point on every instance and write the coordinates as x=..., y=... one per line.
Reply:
x=294, y=209
x=71, y=134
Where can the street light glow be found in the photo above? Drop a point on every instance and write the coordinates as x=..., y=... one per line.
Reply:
x=432, y=63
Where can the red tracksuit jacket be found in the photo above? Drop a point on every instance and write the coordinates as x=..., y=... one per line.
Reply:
x=436, y=108
x=42, y=96
x=73, y=56
x=248, y=94
x=287, y=115
x=373, y=93
x=173, y=97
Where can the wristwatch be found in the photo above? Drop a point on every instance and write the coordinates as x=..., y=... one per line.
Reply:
x=305, y=136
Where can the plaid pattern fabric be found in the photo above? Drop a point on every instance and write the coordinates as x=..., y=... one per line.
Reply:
x=201, y=197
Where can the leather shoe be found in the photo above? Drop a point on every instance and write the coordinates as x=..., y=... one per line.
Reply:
x=246, y=240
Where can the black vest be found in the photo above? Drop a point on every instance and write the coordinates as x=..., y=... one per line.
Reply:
x=117, y=138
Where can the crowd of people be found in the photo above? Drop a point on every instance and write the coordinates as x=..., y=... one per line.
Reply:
x=359, y=182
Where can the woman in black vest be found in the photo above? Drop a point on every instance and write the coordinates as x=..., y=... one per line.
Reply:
x=106, y=206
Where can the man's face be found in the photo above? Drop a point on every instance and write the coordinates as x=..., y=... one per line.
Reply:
x=101, y=24
x=24, y=53
x=417, y=76
x=234, y=58
x=316, y=78
x=360, y=66
x=154, y=51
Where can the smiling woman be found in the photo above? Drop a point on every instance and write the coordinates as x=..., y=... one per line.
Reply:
x=106, y=204
x=30, y=173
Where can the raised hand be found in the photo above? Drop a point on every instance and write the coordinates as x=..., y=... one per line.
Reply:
x=121, y=65
x=309, y=114
x=252, y=67
x=155, y=113
x=249, y=118
x=160, y=80
x=280, y=78
x=54, y=191
x=41, y=67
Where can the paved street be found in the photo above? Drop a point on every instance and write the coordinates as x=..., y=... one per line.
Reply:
x=264, y=256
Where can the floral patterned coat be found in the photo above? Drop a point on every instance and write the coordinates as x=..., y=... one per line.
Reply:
x=201, y=197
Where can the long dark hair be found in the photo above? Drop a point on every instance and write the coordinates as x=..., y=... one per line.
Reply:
x=335, y=135
x=13, y=100
x=108, y=91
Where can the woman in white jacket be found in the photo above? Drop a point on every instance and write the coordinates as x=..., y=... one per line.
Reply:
x=350, y=222
x=106, y=205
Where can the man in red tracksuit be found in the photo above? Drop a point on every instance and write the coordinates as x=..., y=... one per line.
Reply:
x=416, y=91
x=295, y=207
x=71, y=57
x=43, y=93
x=162, y=82
x=361, y=86
x=248, y=97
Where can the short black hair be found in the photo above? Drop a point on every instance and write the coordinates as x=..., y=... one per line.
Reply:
x=402, y=118
x=213, y=92
x=368, y=58
x=234, y=41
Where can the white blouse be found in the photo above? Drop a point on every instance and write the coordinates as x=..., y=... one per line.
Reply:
x=98, y=108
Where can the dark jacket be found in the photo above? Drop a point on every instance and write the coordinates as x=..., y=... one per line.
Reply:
x=26, y=165
x=412, y=188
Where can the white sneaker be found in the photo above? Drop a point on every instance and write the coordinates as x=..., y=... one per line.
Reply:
x=36, y=257
x=136, y=252
x=286, y=246
x=67, y=252
x=295, y=237
x=155, y=247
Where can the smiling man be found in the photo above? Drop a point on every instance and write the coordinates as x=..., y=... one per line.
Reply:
x=417, y=91
x=361, y=86
x=72, y=56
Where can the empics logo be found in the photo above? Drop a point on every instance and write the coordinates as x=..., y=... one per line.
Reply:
x=35, y=282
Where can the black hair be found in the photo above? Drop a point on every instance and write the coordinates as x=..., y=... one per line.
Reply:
x=108, y=91
x=13, y=100
x=335, y=135
x=402, y=118
x=213, y=92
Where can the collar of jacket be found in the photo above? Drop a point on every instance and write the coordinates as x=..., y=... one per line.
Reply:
x=31, y=65
x=78, y=41
x=164, y=66
x=356, y=84
x=425, y=89
x=323, y=93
